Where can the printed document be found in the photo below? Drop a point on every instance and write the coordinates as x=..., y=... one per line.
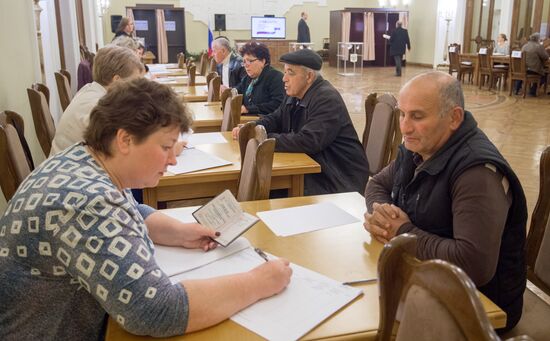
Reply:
x=192, y=159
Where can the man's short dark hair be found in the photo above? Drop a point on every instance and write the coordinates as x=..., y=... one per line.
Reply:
x=257, y=50
x=140, y=107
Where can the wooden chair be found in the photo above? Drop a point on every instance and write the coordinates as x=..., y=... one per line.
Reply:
x=223, y=96
x=461, y=68
x=43, y=120
x=232, y=112
x=487, y=71
x=538, y=240
x=191, y=74
x=43, y=89
x=204, y=62
x=214, y=88
x=382, y=135
x=518, y=71
x=14, y=166
x=212, y=67
x=63, y=88
x=16, y=120
x=181, y=60
x=256, y=163
x=535, y=311
x=435, y=299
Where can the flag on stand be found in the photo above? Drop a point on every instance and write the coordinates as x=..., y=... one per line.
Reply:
x=210, y=39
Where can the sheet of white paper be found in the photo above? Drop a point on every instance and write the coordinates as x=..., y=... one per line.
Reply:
x=309, y=299
x=175, y=260
x=193, y=159
x=295, y=220
x=202, y=138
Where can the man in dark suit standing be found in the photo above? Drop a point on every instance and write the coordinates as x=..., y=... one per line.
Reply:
x=303, y=30
x=229, y=64
x=398, y=40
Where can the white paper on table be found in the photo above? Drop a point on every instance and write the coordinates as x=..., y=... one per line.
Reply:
x=308, y=300
x=385, y=36
x=295, y=220
x=202, y=138
x=175, y=260
x=192, y=159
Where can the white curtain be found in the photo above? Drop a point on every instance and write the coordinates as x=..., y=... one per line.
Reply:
x=161, y=37
x=346, y=28
x=368, y=36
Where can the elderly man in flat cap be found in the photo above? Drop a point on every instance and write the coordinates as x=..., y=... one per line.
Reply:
x=313, y=119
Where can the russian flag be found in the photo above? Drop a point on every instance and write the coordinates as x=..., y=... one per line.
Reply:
x=210, y=39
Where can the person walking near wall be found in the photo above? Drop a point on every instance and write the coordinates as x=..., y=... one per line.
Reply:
x=303, y=30
x=398, y=41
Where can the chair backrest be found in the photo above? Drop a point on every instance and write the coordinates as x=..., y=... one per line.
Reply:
x=435, y=299
x=13, y=118
x=256, y=163
x=204, y=64
x=232, y=112
x=225, y=93
x=213, y=65
x=14, y=167
x=517, y=64
x=209, y=76
x=67, y=74
x=382, y=135
x=42, y=118
x=43, y=89
x=538, y=240
x=454, y=52
x=214, y=89
x=64, y=89
x=484, y=59
x=191, y=73
x=181, y=60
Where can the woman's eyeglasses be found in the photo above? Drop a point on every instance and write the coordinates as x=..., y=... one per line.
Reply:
x=248, y=61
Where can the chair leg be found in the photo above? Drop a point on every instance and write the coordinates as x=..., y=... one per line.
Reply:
x=524, y=88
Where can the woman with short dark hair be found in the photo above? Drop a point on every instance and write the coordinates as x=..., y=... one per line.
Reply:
x=75, y=246
x=262, y=88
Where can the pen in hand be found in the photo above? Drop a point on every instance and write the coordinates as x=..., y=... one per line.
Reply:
x=261, y=253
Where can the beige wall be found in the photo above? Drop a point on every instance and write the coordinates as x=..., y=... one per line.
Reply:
x=18, y=67
x=422, y=24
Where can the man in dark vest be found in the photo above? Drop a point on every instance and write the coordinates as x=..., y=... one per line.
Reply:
x=398, y=41
x=303, y=30
x=452, y=188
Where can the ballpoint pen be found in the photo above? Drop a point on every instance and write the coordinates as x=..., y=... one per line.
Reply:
x=261, y=253
x=361, y=281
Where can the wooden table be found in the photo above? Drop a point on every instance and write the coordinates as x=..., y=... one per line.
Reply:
x=181, y=80
x=195, y=93
x=288, y=173
x=207, y=117
x=343, y=253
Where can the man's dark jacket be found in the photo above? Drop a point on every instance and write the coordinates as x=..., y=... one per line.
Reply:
x=320, y=126
x=426, y=198
x=398, y=41
x=303, y=32
x=267, y=92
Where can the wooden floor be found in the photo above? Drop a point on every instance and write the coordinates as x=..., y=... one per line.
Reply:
x=520, y=128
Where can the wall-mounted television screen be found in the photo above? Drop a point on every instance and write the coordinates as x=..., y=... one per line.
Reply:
x=268, y=27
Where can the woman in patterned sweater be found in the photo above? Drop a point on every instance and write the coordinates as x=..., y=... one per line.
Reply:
x=75, y=246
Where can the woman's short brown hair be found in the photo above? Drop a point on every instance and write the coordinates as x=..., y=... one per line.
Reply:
x=140, y=107
x=115, y=60
x=257, y=50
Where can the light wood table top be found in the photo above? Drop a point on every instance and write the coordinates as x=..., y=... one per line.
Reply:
x=195, y=93
x=288, y=173
x=344, y=253
x=164, y=66
x=180, y=80
x=207, y=117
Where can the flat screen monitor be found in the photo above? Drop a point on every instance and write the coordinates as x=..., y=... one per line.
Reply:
x=268, y=27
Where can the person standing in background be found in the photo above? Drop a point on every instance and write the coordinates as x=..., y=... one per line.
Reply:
x=303, y=30
x=125, y=28
x=398, y=41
